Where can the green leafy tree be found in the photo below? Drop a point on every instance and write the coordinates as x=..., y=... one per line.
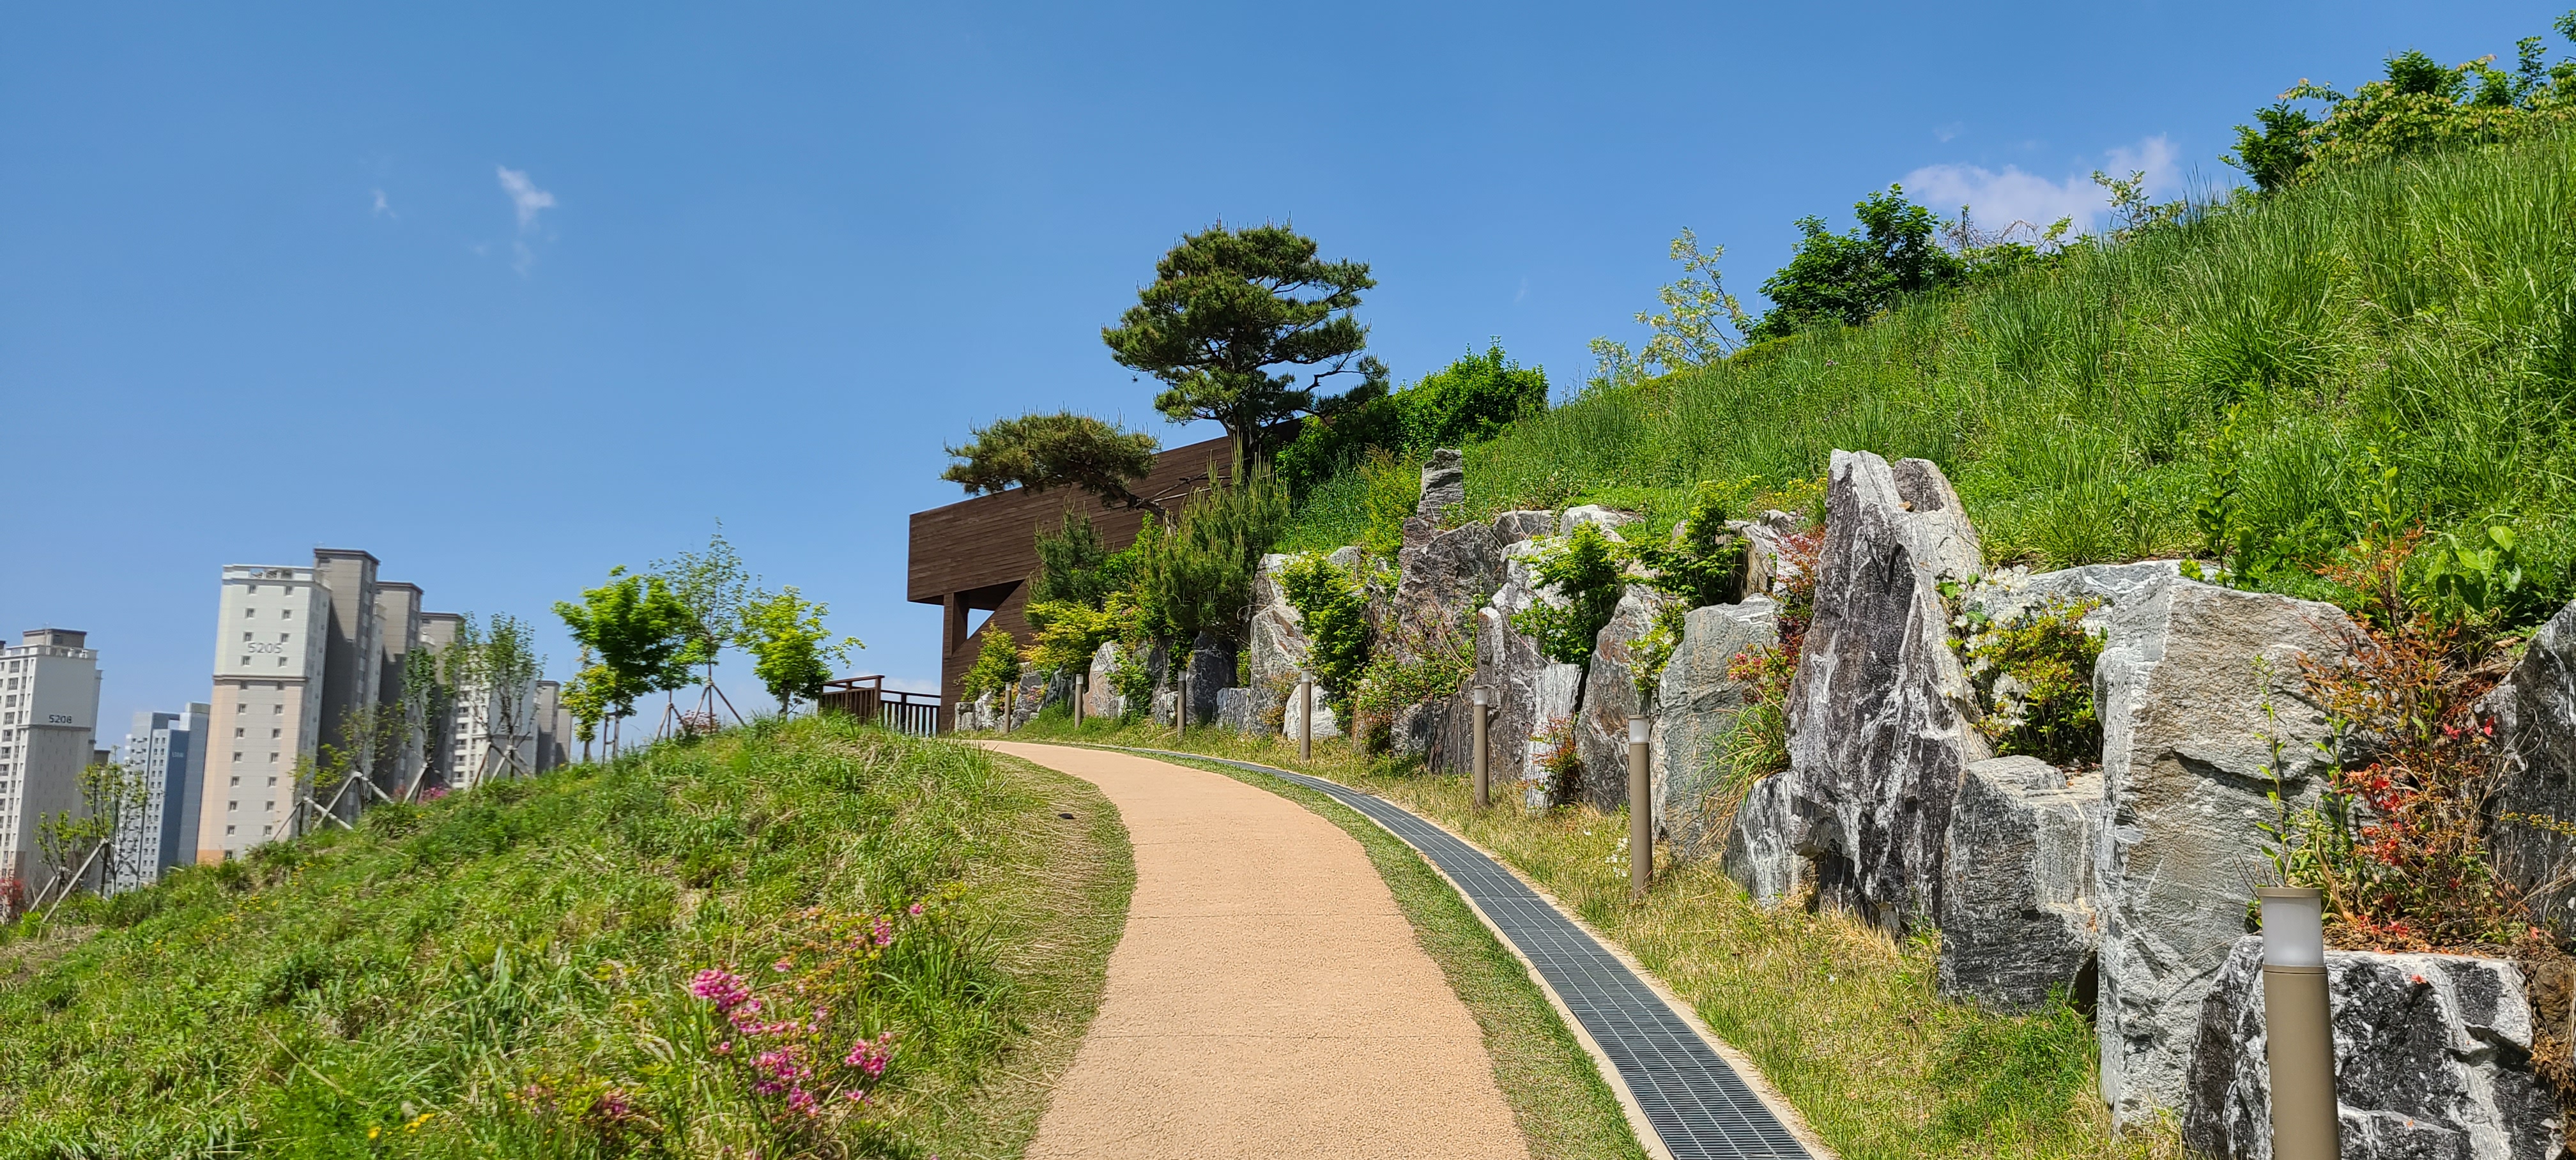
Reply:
x=1585, y=572
x=1225, y=307
x=640, y=631
x=791, y=652
x=1042, y=452
x=1850, y=277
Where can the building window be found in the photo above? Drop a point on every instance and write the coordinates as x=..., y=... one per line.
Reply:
x=245, y=638
x=286, y=614
x=250, y=612
x=237, y=777
x=229, y=829
x=245, y=660
x=237, y=733
x=282, y=638
x=272, y=759
x=230, y=806
x=272, y=783
x=278, y=710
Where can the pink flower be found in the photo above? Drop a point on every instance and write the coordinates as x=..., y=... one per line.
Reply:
x=783, y=966
x=916, y=910
x=724, y=989
x=725, y=1048
x=884, y=932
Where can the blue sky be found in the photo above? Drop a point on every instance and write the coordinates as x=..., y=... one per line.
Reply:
x=511, y=294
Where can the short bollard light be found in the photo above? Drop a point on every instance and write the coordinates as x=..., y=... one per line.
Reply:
x=1641, y=813
x=1305, y=718
x=1484, y=787
x=2298, y=1027
x=1081, y=692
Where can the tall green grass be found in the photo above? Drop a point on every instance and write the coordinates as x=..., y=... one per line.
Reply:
x=2418, y=315
x=474, y=976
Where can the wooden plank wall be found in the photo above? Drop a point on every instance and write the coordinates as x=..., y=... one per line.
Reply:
x=981, y=551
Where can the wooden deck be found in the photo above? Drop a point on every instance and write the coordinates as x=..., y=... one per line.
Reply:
x=978, y=554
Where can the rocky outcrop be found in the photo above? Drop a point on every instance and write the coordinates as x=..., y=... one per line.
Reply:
x=1610, y=696
x=1508, y=662
x=1444, y=485
x=1606, y=519
x=2198, y=687
x=1324, y=724
x=1762, y=844
x=2534, y=715
x=1211, y=673
x=2017, y=897
x=2432, y=1059
x=1879, y=711
x=1695, y=708
x=1100, y=697
x=1515, y=526
x=1765, y=549
x=1238, y=709
x=1444, y=575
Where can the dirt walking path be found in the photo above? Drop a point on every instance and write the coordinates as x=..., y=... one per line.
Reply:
x=1268, y=998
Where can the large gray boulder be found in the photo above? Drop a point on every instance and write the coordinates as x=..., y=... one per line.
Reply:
x=1508, y=662
x=2017, y=896
x=1323, y=722
x=1695, y=708
x=1238, y=709
x=2534, y=716
x=1444, y=485
x=2432, y=1059
x=2198, y=688
x=1762, y=844
x=1609, y=520
x=1274, y=637
x=1211, y=671
x=1100, y=696
x=1879, y=711
x=1610, y=696
x=1512, y=527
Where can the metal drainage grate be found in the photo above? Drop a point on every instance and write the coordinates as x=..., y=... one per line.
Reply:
x=1692, y=1099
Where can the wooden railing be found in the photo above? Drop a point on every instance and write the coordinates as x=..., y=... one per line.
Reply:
x=867, y=699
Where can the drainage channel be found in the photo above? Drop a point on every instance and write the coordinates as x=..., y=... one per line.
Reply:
x=1692, y=1099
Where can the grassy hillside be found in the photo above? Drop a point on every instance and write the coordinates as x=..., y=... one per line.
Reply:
x=510, y=972
x=2416, y=317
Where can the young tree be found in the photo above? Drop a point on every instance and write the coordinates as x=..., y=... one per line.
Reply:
x=1226, y=305
x=714, y=587
x=996, y=667
x=112, y=799
x=1039, y=452
x=639, y=629
x=494, y=672
x=1198, y=577
x=1700, y=324
x=791, y=652
x=585, y=696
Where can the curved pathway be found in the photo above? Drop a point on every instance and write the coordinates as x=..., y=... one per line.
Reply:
x=1268, y=997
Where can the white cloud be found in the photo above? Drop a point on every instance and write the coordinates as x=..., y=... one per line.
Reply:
x=1948, y=131
x=1996, y=200
x=524, y=196
x=385, y=208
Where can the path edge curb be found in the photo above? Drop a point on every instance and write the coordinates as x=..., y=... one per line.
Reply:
x=1647, y=1137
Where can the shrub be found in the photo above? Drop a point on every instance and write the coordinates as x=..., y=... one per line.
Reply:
x=1422, y=666
x=1334, y=612
x=996, y=668
x=2398, y=841
x=1701, y=564
x=1582, y=569
x=2034, y=679
x=1466, y=402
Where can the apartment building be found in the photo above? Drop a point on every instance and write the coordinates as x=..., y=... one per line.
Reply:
x=166, y=752
x=48, y=733
x=272, y=633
